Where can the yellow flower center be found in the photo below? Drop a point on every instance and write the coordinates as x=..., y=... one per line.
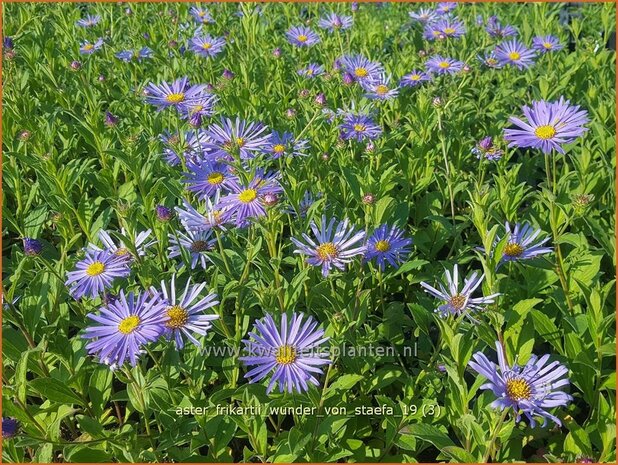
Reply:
x=217, y=216
x=201, y=13
x=129, y=324
x=279, y=148
x=248, y=195
x=360, y=127
x=492, y=61
x=360, y=72
x=457, y=301
x=518, y=389
x=547, y=45
x=514, y=56
x=383, y=246
x=215, y=178
x=206, y=45
x=444, y=64
x=240, y=141
x=309, y=71
x=513, y=249
x=302, y=38
x=449, y=30
x=175, y=98
x=178, y=317
x=545, y=132
x=381, y=89
x=199, y=246
x=285, y=355
x=415, y=77
x=88, y=47
x=95, y=269
x=121, y=251
x=327, y=251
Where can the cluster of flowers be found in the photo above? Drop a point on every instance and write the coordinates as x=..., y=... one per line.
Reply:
x=217, y=173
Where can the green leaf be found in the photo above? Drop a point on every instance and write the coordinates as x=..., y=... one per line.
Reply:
x=56, y=391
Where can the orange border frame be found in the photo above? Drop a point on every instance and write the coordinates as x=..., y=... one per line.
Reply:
x=309, y=1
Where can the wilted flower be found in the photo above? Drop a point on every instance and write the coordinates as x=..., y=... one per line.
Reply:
x=485, y=148
x=32, y=247
x=75, y=65
x=164, y=214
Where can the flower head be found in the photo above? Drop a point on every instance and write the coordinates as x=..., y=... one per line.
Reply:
x=446, y=27
x=458, y=302
x=185, y=314
x=177, y=94
x=359, y=68
x=88, y=21
x=423, y=15
x=302, y=36
x=332, y=246
x=414, y=79
x=515, y=53
x=206, y=178
x=486, y=149
x=549, y=125
x=121, y=251
x=387, y=245
x=206, y=45
x=201, y=15
x=380, y=88
x=95, y=273
x=124, y=326
x=239, y=138
x=490, y=60
x=495, y=29
x=246, y=201
x=190, y=147
x=334, y=22
x=530, y=389
x=311, y=71
x=138, y=55
x=87, y=48
x=359, y=127
x=520, y=243
x=545, y=44
x=290, y=351
x=193, y=220
x=444, y=8
x=32, y=247
x=443, y=65
x=285, y=145
x=164, y=214
x=195, y=242
x=10, y=426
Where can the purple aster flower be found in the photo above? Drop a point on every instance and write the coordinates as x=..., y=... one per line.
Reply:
x=529, y=390
x=443, y=65
x=495, y=29
x=447, y=27
x=177, y=94
x=414, y=78
x=444, y=8
x=285, y=145
x=32, y=247
x=359, y=127
x=7, y=44
x=10, y=426
x=311, y=71
x=164, y=214
x=95, y=273
x=138, y=55
x=334, y=22
x=302, y=36
x=185, y=316
x=486, y=149
x=331, y=248
x=87, y=48
x=110, y=119
x=124, y=327
x=387, y=244
x=490, y=60
x=201, y=15
x=206, y=45
x=202, y=106
x=515, y=53
x=546, y=44
x=196, y=243
x=291, y=351
x=320, y=99
x=246, y=201
x=360, y=68
x=380, y=88
x=206, y=178
x=193, y=220
x=459, y=302
x=520, y=243
x=423, y=15
x=228, y=74
x=121, y=251
x=88, y=21
x=190, y=147
x=549, y=125
x=232, y=139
